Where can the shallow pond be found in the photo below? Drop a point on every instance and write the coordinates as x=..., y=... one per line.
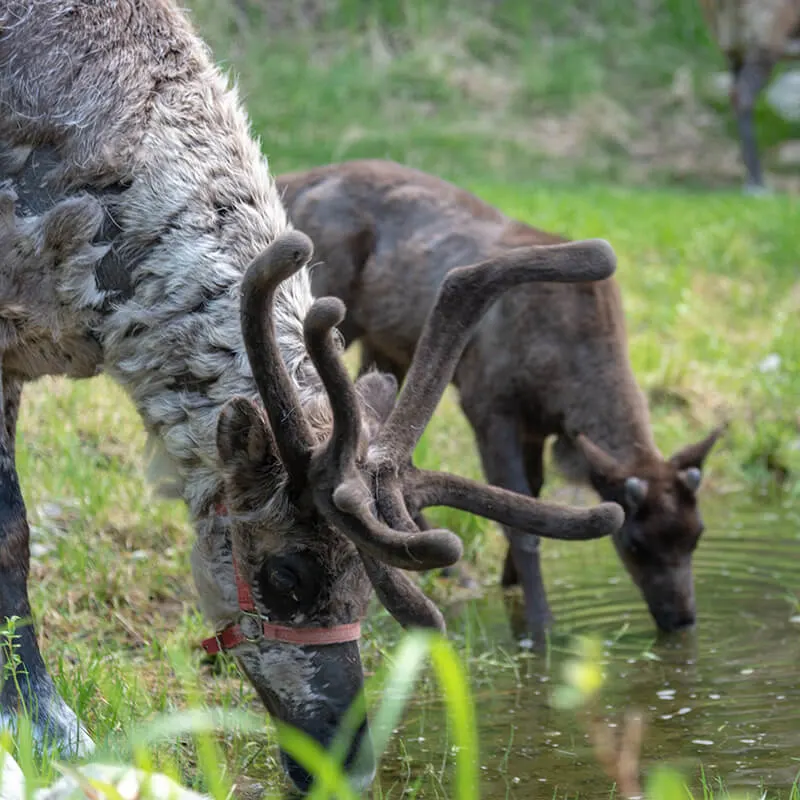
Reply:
x=724, y=699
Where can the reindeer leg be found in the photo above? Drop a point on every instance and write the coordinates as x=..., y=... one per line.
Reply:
x=25, y=685
x=749, y=78
x=506, y=465
x=533, y=454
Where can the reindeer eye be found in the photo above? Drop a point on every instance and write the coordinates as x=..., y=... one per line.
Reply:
x=290, y=584
x=283, y=579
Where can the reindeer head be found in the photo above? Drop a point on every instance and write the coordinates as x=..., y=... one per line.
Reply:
x=320, y=501
x=662, y=523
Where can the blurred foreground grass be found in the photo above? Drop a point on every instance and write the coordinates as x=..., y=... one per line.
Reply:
x=131, y=767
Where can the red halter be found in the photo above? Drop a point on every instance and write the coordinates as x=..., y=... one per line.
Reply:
x=252, y=626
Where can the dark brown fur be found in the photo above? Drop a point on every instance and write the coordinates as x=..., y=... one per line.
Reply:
x=547, y=359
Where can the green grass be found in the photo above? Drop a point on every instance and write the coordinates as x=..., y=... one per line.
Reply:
x=545, y=91
x=555, y=116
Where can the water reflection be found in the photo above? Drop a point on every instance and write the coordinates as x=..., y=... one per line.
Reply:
x=725, y=696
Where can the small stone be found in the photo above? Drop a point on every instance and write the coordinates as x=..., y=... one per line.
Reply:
x=39, y=550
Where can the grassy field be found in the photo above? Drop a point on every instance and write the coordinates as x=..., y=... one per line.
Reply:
x=480, y=89
x=534, y=118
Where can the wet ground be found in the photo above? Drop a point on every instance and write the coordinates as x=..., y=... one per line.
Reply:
x=722, y=702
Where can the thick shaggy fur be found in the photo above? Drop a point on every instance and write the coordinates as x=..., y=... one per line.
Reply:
x=132, y=198
x=149, y=111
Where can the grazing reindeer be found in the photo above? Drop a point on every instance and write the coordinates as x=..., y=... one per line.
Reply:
x=132, y=197
x=754, y=35
x=546, y=360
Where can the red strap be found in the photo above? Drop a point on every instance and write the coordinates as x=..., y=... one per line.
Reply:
x=243, y=593
x=233, y=635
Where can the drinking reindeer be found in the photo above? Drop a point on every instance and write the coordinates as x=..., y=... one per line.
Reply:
x=547, y=360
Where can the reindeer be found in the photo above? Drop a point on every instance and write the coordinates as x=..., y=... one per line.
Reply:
x=141, y=235
x=754, y=35
x=546, y=360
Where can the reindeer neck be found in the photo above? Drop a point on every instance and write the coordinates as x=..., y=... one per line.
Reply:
x=622, y=428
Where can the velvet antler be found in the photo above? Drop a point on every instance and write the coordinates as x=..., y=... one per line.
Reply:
x=371, y=500
x=464, y=297
x=286, y=255
x=340, y=491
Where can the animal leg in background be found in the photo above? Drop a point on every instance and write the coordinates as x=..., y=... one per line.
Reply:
x=749, y=78
x=505, y=465
x=25, y=686
x=533, y=453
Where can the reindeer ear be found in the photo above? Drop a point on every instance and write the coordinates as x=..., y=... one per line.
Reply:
x=249, y=455
x=635, y=493
x=242, y=434
x=602, y=464
x=693, y=455
x=378, y=391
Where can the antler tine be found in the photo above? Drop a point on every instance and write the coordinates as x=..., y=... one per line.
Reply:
x=287, y=254
x=401, y=597
x=325, y=314
x=423, y=489
x=464, y=297
x=351, y=512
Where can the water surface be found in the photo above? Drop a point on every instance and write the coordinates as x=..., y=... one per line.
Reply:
x=724, y=698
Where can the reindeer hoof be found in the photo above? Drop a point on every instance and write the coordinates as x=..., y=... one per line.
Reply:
x=55, y=726
x=756, y=190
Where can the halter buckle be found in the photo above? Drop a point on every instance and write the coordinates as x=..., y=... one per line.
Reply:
x=251, y=627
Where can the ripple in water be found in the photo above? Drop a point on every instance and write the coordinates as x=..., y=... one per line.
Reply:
x=726, y=696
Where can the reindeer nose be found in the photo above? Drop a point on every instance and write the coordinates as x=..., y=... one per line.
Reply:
x=359, y=764
x=674, y=622
x=685, y=621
